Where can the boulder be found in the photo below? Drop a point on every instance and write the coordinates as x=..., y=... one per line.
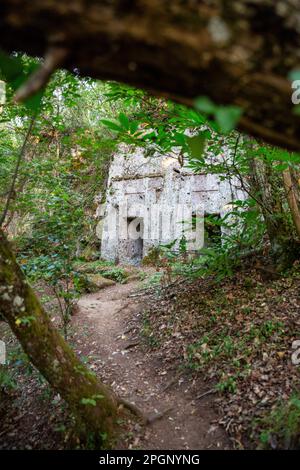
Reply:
x=95, y=282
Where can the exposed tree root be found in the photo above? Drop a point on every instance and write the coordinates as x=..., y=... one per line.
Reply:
x=146, y=419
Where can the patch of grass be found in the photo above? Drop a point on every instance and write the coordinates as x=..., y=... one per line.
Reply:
x=266, y=330
x=7, y=381
x=116, y=274
x=153, y=280
x=142, y=275
x=227, y=384
x=213, y=347
x=281, y=429
x=92, y=266
x=106, y=269
x=270, y=327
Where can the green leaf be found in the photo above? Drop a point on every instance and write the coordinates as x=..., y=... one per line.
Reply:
x=34, y=102
x=10, y=67
x=205, y=105
x=294, y=75
x=295, y=401
x=283, y=156
x=111, y=125
x=124, y=121
x=281, y=167
x=133, y=127
x=88, y=401
x=24, y=320
x=16, y=73
x=227, y=117
x=196, y=144
x=179, y=138
x=296, y=109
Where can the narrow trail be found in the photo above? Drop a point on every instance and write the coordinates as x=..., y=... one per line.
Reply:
x=108, y=319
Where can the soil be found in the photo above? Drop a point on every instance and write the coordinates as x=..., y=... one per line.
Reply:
x=178, y=420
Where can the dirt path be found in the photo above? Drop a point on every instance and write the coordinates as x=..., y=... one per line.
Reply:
x=108, y=319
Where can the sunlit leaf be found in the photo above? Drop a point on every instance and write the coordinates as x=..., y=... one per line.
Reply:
x=227, y=117
x=111, y=125
x=205, y=105
x=124, y=121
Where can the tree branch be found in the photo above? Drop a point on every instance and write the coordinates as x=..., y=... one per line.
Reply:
x=15, y=175
x=233, y=52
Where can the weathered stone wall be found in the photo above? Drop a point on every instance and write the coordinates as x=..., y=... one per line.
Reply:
x=156, y=190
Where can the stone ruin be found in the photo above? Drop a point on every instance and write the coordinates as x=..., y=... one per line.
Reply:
x=148, y=201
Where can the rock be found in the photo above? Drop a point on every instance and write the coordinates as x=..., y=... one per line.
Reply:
x=99, y=282
x=85, y=267
x=89, y=254
x=95, y=282
x=133, y=277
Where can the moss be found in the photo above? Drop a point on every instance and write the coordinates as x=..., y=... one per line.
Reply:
x=95, y=282
x=104, y=269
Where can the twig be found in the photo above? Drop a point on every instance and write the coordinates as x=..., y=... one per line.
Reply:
x=131, y=344
x=15, y=175
x=208, y=392
x=39, y=79
x=129, y=329
x=139, y=294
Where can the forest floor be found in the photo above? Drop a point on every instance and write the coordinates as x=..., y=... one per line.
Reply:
x=208, y=362
x=112, y=319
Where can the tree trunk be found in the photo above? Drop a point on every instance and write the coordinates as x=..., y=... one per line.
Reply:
x=236, y=52
x=284, y=248
x=88, y=399
x=292, y=199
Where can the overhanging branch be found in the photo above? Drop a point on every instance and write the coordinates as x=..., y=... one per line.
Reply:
x=234, y=52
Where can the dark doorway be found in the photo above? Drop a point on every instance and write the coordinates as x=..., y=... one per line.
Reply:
x=136, y=245
x=212, y=230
